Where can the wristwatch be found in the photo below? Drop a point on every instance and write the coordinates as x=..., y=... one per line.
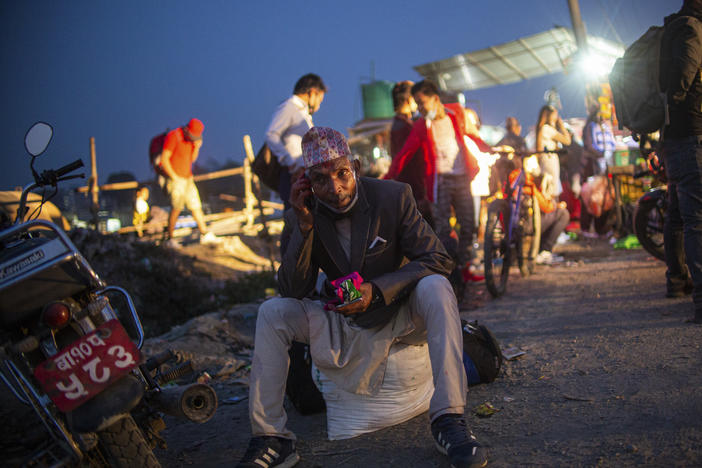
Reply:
x=377, y=297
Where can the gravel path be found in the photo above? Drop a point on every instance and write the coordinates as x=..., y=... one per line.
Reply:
x=610, y=377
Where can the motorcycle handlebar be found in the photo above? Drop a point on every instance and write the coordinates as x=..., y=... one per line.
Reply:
x=70, y=167
x=74, y=176
x=559, y=152
x=49, y=177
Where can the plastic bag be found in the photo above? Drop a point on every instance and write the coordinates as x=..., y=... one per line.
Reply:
x=598, y=195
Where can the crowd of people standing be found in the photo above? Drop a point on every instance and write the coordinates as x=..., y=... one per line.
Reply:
x=394, y=240
x=397, y=240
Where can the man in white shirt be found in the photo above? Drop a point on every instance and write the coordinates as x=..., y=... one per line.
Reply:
x=289, y=124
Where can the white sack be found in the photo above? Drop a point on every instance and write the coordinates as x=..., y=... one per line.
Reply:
x=405, y=393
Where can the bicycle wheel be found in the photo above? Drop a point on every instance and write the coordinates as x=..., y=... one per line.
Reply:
x=648, y=226
x=529, y=239
x=498, y=253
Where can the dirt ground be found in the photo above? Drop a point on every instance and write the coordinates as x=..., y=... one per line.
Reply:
x=610, y=377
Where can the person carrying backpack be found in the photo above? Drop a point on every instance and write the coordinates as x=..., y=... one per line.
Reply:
x=680, y=64
x=180, y=150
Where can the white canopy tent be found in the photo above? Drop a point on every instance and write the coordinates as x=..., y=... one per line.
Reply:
x=548, y=52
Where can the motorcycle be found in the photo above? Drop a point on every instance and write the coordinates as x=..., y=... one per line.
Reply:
x=651, y=207
x=69, y=353
x=648, y=221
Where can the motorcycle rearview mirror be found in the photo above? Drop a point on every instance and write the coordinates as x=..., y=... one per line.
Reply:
x=37, y=138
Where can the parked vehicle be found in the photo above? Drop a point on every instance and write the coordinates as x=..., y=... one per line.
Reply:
x=72, y=355
x=513, y=227
x=648, y=221
x=649, y=215
x=651, y=207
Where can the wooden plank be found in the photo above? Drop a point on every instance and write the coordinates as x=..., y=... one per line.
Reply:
x=241, y=216
x=134, y=184
x=115, y=186
x=266, y=203
x=219, y=174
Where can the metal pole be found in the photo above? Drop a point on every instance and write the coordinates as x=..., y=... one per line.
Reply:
x=93, y=183
x=578, y=25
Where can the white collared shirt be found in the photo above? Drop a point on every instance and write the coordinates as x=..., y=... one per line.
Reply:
x=449, y=157
x=289, y=124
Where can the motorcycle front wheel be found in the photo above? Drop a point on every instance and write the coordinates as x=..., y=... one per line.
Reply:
x=648, y=226
x=124, y=446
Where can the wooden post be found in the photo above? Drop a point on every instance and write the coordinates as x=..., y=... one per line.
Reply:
x=93, y=183
x=248, y=195
x=248, y=149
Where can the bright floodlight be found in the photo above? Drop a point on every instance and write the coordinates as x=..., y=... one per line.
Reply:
x=596, y=65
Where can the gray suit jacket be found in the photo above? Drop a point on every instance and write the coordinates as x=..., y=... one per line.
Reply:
x=384, y=209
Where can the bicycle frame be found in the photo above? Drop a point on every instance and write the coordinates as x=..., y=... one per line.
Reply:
x=614, y=173
x=519, y=226
x=515, y=202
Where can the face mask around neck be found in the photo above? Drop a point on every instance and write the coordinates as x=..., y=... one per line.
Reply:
x=349, y=207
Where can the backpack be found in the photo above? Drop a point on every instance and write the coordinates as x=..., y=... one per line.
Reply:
x=482, y=357
x=640, y=104
x=300, y=388
x=155, y=150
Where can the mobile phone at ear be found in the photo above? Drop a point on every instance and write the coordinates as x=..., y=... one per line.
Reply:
x=310, y=202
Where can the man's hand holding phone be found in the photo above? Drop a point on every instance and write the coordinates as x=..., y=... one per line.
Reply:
x=301, y=198
x=360, y=304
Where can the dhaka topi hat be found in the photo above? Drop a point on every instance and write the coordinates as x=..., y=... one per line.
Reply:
x=322, y=144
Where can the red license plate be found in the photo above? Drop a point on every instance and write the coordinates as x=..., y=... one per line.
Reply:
x=88, y=366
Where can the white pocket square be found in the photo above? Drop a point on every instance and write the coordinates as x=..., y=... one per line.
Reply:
x=376, y=241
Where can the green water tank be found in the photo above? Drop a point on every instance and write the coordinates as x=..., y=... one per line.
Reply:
x=377, y=100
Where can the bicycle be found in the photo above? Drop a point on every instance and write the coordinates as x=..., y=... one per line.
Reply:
x=513, y=228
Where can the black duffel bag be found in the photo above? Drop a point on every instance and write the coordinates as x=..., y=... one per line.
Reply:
x=266, y=166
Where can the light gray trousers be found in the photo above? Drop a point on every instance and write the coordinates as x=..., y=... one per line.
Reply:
x=432, y=316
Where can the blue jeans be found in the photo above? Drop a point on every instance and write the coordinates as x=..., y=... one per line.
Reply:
x=552, y=225
x=683, y=222
x=454, y=191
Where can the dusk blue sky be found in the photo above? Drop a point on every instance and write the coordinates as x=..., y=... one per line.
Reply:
x=124, y=71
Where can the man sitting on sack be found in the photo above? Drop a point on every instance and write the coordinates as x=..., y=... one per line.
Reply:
x=344, y=224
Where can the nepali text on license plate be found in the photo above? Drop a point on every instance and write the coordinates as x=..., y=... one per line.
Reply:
x=86, y=367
